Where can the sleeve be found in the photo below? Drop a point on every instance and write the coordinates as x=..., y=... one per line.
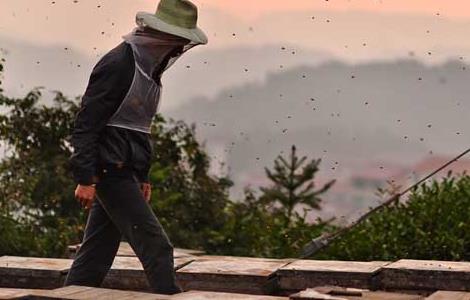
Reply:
x=106, y=88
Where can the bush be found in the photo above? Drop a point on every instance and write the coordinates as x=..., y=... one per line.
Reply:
x=433, y=223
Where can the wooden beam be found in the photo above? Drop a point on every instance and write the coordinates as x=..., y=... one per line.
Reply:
x=204, y=295
x=10, y=294
x=338, y=293
x=32, y=272
x=303, y=274
x=426, y=275
x=445, y=295
x=127, y=273
x=231, y=274
x=126, y=250
x=86, y=293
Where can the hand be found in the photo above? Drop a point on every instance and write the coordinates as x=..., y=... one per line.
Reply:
x=146, y=190
x=85, y=194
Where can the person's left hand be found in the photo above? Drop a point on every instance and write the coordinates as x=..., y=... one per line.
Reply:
x=146, y=190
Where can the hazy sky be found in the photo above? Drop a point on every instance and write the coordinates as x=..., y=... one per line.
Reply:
x=388, y=27
x=448, y=8
x=432, y=31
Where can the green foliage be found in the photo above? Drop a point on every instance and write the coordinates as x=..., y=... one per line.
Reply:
x=431, y=224
x=254, y=229
x=39, y=214
x=292, y=186
x=189, y=202
x=270, y=225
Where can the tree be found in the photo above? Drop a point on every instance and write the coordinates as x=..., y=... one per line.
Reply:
x=37, y=191
x=293, y=185
x=189, y=201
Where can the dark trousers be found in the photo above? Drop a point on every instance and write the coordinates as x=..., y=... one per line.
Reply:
x=121, y=210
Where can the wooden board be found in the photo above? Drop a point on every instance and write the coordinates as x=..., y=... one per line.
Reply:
x=303, y=274
x=127, y=273
x=33, y=273
x=387, y=296
x=445, y=295
x=204, y=295
x=86, y=293
x=8, y=293
x=312, y=294
x=426, y=275
x=126, y=250
x=350, y=294
x=231, y=274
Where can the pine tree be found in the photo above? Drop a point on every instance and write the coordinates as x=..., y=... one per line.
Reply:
x=293, y=184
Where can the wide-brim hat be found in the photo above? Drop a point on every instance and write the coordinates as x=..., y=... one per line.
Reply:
x=177, y=17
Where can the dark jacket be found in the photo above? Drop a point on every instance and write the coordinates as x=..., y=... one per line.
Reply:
x=97, y=145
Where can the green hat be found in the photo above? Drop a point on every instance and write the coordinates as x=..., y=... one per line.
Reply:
x=177, y=17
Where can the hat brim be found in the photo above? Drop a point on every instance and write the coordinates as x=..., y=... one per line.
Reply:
x=195, y=35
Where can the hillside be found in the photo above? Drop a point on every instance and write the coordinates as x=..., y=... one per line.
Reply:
x=351, y=115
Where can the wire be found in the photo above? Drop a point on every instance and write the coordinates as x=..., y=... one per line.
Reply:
x=323, y=241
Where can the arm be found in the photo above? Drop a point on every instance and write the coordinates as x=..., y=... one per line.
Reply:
x=109, y=82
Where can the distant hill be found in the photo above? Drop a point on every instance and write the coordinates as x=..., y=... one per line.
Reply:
x=348, y=114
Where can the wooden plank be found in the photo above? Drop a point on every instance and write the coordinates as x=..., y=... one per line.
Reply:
x=426, y=275
x=185, y=252
x=9, y=293
x=126, y=250
x=64, y=291
x=85, y=293
x=231, y=274
x=312, y=294
x=232, y=265
x=446, y=295
x=127, y=273
x=205, y=295
x=32, y=272
x=303, y=274
x=387, y=296
x=350, y=294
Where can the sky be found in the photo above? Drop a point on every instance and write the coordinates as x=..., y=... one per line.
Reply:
x=354, y=31
x=247, y=8
x=90, y=24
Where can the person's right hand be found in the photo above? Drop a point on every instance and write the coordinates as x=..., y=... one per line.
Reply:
x=85, y=194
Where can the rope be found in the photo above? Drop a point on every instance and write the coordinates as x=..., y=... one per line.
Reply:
x=323, y=241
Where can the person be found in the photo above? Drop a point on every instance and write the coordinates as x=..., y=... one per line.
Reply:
x=112, y=147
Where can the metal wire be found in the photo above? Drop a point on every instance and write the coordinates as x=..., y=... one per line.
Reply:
x=323, y=241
